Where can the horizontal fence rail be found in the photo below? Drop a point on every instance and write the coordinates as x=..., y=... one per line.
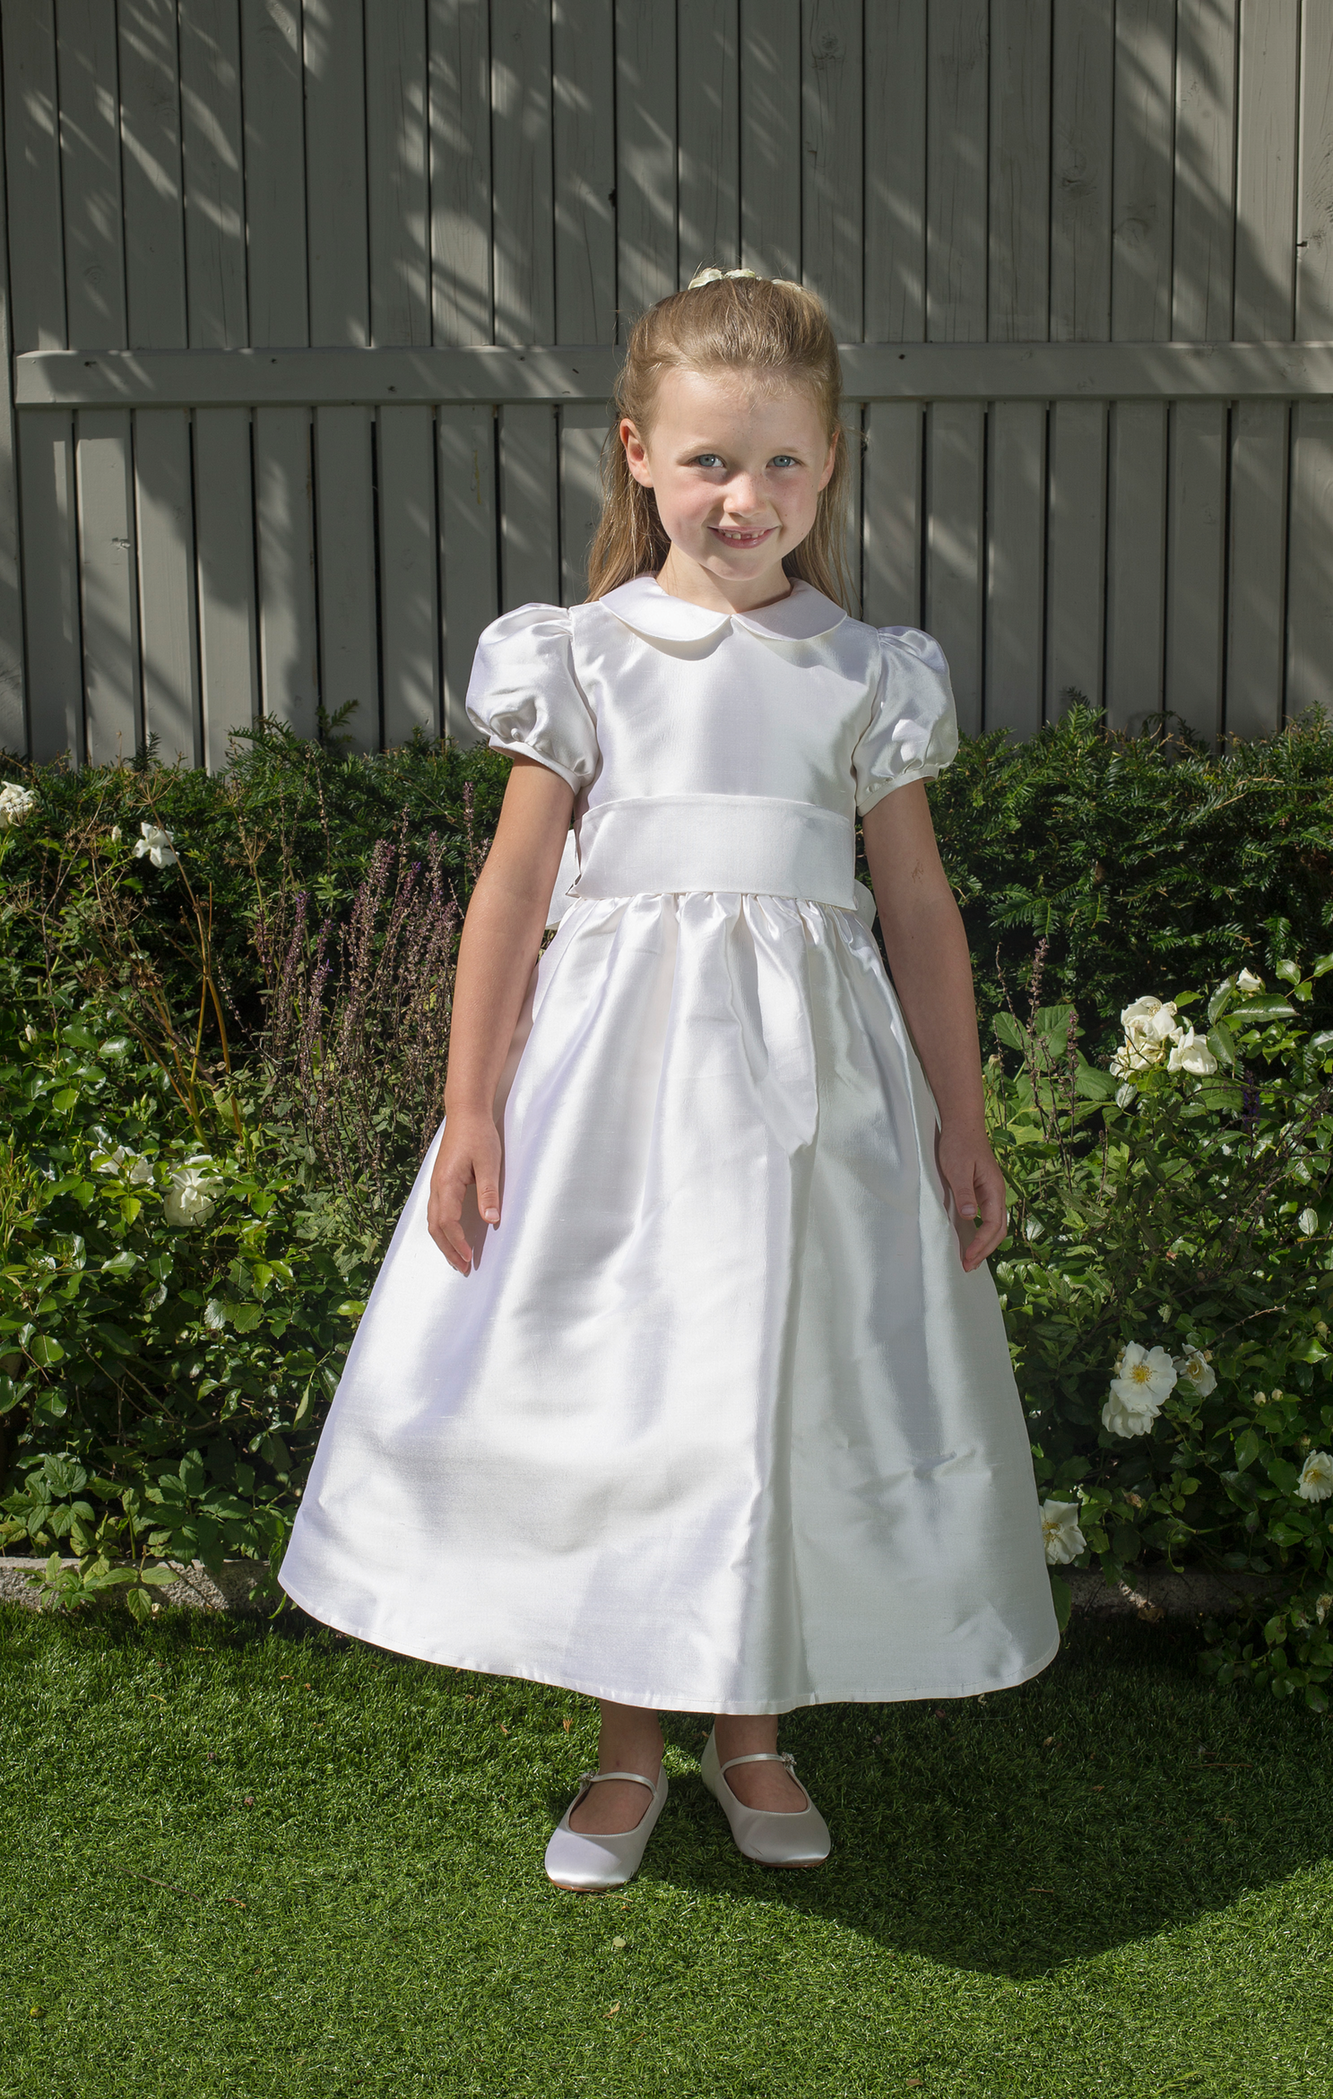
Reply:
x=871, y=372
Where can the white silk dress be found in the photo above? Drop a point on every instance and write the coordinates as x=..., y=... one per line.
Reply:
x=718, y=1423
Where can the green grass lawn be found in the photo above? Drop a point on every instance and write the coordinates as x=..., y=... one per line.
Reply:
x=244, y=1860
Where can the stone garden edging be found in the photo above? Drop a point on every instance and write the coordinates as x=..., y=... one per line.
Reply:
x=1157, y=1592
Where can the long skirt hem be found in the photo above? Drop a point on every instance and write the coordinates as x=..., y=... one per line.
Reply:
x=676, y=1699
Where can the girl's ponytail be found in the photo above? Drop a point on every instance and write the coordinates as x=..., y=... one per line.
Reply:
x=733, y=322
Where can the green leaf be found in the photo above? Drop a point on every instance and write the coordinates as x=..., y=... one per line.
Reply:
x=123, y=1263
x=245, y=1318
x=63, y=1101
x=1257, y=1012
x=46, y=1350
x=160, y=1577
x=1222, y=1043
x=1321, y=965
x=1248, y=1448
x=1009, y=1032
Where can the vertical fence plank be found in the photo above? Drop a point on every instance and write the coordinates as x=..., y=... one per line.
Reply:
x=469, y=579
x=285, y=551
x=895, y=172
x=529, y=543
x=1015, y=565
x=150, y=159
x=165, y=533
x=90, y=174
x=1020, y=170
x=583, y=92
x=1310, y=589
x=460, y=171
x=770, y=202
x=832, y=127
x=32, y=154
x=51, y=584
x=398, y=202
x=13, y=714
x=956, y=130
x=955, y=580
x=583, y=426
x=522, y=200
x=1314, y=205
x=274, y=99
x=1136, y=564
x=1082, y=82
x=1268, y=96
x=211, y=149
x=709, y=117
x=891, y=514
x=1205, y=170
x=109, y=584
x=224, y=548
x=1195, y=558
x=345, y=542
x=408, y=573
x=645, y=153
x=1144, y=120
x=1076, y=559
x=338, y=258
x=1256, y=590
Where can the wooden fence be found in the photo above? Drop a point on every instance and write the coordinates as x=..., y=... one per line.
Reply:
x=310, y=310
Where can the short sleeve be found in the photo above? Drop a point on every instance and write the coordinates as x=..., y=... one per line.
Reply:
x=524, y=697
x=913, y=731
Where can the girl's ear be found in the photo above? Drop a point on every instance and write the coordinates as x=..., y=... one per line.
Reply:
x=831, y=461
x=636, y=454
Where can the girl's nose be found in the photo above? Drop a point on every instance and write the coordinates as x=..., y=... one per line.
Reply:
x=743, y=498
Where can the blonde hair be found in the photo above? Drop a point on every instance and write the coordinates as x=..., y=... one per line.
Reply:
x=767, y=326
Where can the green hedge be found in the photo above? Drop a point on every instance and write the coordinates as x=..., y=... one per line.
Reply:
x=165, y=1356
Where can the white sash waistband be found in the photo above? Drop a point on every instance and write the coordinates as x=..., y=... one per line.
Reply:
x=753, y=844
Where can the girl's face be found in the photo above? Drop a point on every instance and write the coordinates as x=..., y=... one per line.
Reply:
x=736, y=465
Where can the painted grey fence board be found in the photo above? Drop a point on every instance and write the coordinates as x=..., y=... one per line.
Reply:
x=312, y=311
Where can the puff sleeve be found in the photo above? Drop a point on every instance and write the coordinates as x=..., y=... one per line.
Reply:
x=524, y=697
x=912, y=733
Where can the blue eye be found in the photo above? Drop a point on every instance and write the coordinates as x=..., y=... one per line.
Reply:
x=785, y=459
x=708, y=459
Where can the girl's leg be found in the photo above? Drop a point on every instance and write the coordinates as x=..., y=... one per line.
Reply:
x=631, y=1740
x=768, y=1787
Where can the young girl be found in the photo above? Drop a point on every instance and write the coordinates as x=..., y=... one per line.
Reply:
x=684, y=1383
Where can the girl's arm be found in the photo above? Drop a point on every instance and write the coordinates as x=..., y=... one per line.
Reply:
x=502, y=937
x=932, y=973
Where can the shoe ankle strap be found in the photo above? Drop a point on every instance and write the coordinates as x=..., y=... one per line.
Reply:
x=762, y=1756
x=597, y=1778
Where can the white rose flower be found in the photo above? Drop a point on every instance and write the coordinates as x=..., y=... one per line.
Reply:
x=1063, y=1539
x=115, y=834
x=1195, y=1368
x=16, y=804
x=1249, y=983
x=1142, y=1379
x=1308, y=1222
x=1316, y=1480
x=157, y=843
x=30, y=1033
x=137, y=1171
x=189, y=1199
x=1152, y=1019
x=1191, y=1053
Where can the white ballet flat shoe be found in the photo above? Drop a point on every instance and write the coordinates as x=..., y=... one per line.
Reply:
x=587, y=1865
x=769, y=1838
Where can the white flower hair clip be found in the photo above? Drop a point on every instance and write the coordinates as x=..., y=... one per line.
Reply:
x=711, y=276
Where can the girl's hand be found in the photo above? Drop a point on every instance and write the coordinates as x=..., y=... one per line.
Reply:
x=464, y=1188
x=977, y=1186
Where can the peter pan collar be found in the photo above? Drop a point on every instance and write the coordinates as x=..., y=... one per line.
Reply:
x=643, y=605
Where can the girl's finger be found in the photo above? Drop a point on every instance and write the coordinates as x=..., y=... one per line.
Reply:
x=488, y=1199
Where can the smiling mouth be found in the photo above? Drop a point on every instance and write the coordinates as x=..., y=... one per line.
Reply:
x=742, y=539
